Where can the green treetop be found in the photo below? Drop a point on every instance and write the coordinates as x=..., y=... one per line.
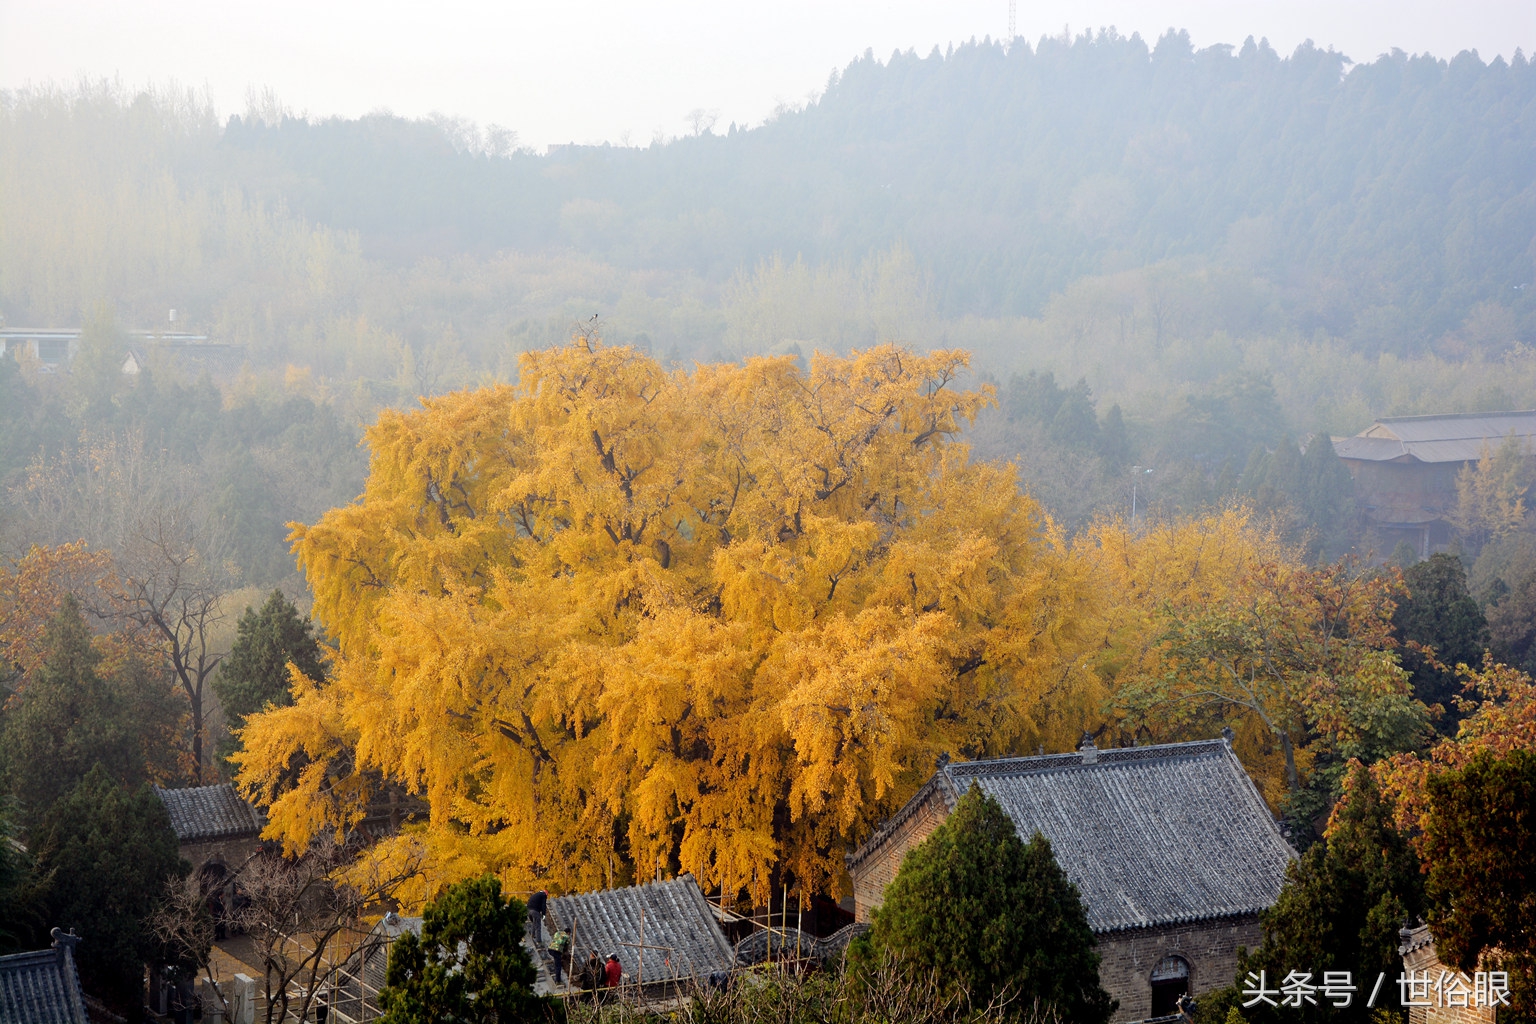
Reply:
x=1480, y=846
x=1439, y=612
x=468, y=965
x=73, y=713
x=995, y=915
x=1342, y=904
x=106, y=853
x=256, y=672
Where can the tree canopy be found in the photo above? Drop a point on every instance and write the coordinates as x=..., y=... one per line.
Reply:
x=1342, y=903
x=994, y=916
x=722, y=619
x=1438, y=612
x=108, y=852
x=1465, y=807
x=1481, y=857
x=1305, y=654
x=255, y=672
x=468, y=965
x=80, y=709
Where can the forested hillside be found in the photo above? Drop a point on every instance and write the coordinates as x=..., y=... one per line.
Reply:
x=1381, y=202
x=1212, y=251
x=1384, y=201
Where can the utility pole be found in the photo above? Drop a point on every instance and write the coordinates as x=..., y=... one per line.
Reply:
x=1013, y=20
x=1136, y=472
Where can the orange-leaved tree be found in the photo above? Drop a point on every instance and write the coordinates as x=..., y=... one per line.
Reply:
x=32, y=591
x=618, y=618
x=1500, y=710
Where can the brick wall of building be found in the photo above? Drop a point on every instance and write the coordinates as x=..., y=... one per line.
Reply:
x=232, y=853
x=874, y=873
x=1419, y=956
x=1209, y=947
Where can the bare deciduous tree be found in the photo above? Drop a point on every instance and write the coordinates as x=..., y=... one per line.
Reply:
x=701, y=120
x=167, y=589
x=301, y=913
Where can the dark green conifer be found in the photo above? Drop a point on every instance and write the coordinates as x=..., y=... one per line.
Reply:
x=1341, y=907
x=1439, y=612
x=107, y=852
x=1481, y=885
x=68, y=718
x=468, y=965
x=994, y=915
x=256, y=672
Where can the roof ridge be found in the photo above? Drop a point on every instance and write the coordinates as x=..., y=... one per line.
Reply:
x=1454, y=415
x=1106, y=756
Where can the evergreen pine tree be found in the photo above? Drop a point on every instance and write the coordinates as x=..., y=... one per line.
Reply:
x=1439, y=612
x=1327, y=498
x=1481, y=885
x=1114, y=442
x=256, y=672
x=107, y=853
x=995, y=915
x=19, y=916
x=468, y=965
x=69, y=718
x=1342, y=905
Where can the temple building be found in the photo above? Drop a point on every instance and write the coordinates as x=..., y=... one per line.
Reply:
x=1171, y=847
x=1405, y=468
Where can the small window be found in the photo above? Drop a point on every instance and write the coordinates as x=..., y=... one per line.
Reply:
x=1170, y=980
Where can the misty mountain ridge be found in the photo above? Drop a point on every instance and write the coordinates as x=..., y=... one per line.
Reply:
x=1384, y=200
x=1152, y=219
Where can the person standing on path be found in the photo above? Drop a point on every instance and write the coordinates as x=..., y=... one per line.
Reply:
x=559, y=945
x=537, y=903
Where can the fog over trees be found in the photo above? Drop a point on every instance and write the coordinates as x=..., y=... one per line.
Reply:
x=1013, y=367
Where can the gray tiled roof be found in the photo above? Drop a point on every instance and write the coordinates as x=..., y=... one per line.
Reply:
x=1452, y=438
x=209, y=812
x=1150, y=835
x=676, y=915
x=356, y=985
x=40, y=988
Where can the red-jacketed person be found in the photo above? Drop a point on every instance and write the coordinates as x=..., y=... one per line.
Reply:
x=613, y=971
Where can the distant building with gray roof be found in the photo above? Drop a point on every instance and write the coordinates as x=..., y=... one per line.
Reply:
x=1405, y=467
x=1171, y=847
x=42, y=987
x=217, y=832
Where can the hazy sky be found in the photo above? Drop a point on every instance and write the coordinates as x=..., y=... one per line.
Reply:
x=604, y=70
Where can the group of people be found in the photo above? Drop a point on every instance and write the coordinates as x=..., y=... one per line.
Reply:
x=594, y=975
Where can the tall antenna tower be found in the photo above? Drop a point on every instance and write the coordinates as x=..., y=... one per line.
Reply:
x=1013, y=20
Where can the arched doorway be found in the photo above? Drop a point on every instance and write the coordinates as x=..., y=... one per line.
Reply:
x=213, y=878
x=1170, y=980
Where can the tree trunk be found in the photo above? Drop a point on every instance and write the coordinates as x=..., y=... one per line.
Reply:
x=197, y=740
x=1291, y=776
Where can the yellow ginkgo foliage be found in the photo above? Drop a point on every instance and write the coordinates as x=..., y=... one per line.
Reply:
x=618, y=617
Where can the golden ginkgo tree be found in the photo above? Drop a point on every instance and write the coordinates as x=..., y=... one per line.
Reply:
x=619, y=618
